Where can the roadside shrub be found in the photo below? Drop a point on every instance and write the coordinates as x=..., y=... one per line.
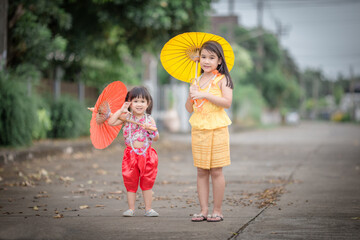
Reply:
x=85, y=131
x=17, y=112
x=248, y=105
x=68, y=117
x=339, y=116
x=43, y=125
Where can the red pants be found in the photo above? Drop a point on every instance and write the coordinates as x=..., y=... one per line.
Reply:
x=143, y=167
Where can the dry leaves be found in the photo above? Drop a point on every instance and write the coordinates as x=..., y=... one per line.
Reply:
x=58, y=216
x=66, y=179
x=269, y=196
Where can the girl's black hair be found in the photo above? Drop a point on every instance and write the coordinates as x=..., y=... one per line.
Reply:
x=140, y=92
x=215, y=47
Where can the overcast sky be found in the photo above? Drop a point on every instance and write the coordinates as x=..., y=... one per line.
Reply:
x=322, y=34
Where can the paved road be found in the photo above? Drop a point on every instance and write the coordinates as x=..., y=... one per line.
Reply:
x=299, y=182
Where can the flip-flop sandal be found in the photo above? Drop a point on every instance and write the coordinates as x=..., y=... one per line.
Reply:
x=215, y=218
x=198, y=218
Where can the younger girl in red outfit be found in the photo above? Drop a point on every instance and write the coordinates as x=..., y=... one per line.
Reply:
x=140, y=160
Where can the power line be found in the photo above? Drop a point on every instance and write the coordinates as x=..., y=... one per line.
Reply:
x=331, y=57
x=293, y=3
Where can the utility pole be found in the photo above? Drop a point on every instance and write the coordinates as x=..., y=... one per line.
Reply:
x=59, y=73
x=352, y=91
x=281, y=30
x=303, y=96
x=3, y=33
x=231, y=7
x=260, y=43
x=315, y=95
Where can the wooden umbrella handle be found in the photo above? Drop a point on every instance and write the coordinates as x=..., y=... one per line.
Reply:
x=131, y=121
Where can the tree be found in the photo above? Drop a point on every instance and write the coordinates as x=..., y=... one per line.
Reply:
x=278, y=81
x=107, y=36
x=29, y=31
x=96, y=38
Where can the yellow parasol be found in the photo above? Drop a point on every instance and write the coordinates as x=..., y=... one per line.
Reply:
x=180, y=55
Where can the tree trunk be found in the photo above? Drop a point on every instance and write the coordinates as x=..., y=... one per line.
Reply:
x=3, y=33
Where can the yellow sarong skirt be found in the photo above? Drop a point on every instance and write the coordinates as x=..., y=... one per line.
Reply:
x=210, y=147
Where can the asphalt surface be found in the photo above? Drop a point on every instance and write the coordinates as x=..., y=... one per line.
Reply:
x=293, y=182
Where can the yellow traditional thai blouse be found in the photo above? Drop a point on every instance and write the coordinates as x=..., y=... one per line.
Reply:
x=209, y=115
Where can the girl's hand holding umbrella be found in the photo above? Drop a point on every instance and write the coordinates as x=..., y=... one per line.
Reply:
x=120, y=115
x=149, y=127
x=194, y=88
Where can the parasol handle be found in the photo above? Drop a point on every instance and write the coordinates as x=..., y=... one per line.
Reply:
x=195, y=80
x=127, y=120
x=131, y=121
x=196, y=68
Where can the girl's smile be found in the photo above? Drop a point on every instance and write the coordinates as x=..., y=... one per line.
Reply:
x=209, y=61
x=139, y=106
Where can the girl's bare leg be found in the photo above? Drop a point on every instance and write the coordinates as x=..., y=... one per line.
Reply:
x=147, y=194
x=218, y=184
x=131, y=197
x=203, y=189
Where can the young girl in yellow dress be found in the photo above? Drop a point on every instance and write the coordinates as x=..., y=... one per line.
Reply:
x=209, y=95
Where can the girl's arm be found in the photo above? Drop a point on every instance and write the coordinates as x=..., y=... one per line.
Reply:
x=224, y=101
x=156, y=133
x=189, y=102
x=189, y=105
x=114, y=118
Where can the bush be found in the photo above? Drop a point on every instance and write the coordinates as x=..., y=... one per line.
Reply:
x=68, y=118
x=340, y=117
x=248, y=105
x=17, y=112
x=43, y=125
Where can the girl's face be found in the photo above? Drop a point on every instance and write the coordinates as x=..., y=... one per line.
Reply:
x=209, y=61
x=138, y=106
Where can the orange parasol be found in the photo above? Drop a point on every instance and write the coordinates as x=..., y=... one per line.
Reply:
x=180, y=55
x=110, y=100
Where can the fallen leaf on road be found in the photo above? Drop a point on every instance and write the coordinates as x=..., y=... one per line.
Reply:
x=101, y=172
x=26, y=184
x=41, y=196
x=164, y=182
x=58, y=216
x=66, y=179
x=116, y=192
x=269, y=196
x=84, y=206
x=99, y=205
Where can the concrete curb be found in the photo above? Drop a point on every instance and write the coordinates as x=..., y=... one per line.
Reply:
x=50, y=147
x=42, y=150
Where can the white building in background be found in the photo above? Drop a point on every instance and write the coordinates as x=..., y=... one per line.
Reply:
x=350, y=103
